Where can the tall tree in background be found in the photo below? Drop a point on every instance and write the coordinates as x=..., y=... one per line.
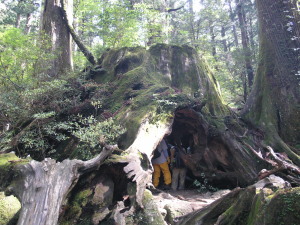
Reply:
x=21, y=14
x=232, y=15
x=245, y=44
x=56, y=29
x=191, y=22
x=274, y=103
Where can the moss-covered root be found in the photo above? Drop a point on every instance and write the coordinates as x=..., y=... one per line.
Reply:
x=281, y=208
x=211, y=213
x=150, y=215
x=250, y=207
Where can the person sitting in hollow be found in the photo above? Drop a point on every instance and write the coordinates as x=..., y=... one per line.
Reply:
x=160, y=163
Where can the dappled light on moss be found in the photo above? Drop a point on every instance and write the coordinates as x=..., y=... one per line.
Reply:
x=9, y=206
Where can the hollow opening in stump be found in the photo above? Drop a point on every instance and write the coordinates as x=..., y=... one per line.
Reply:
x=208, y=159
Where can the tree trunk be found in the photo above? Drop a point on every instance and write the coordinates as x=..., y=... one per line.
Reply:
x=191, y=22
x=224, y=42
x=212, y=39
x=274, y=102
x=253, y=205
x=18, y=20
x=43, y=186
x=76, y=38
x=59, y=36
x=245, y=41
x=245, y=86
x=28, y=23
x=231, y=15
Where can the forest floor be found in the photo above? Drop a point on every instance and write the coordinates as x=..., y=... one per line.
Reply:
x=183, y=202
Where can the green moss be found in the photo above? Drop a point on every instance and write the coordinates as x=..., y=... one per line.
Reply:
x=256, y=209
x=5, y=158
x=74, y=211
x=284, y=208
x=279, y=208
x=142, y=83
x=7, y=162
x=81, y=198
x=150, y=215
x=172, y=214
x=9, y=206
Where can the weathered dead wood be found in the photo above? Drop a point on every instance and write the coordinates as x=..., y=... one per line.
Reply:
x=43, y=186
x=138, y=160
x=265, y=173
x=282, y=162
x=279, y=164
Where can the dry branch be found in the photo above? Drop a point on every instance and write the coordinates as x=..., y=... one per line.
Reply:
x=283, y=163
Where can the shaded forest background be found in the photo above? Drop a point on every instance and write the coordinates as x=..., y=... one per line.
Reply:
x=224, y=31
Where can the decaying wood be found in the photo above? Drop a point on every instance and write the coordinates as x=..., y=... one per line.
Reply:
x=282, y=162
x=279, y=164
x=265, y=173
x=138, y=160
x=43, y=186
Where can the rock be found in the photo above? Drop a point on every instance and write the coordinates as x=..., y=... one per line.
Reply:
x=103, y=196
x=151, y=215
x=99, y=215
x=103, y=193
x=272, y=181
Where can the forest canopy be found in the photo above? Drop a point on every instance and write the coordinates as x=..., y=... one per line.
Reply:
x=224, y=31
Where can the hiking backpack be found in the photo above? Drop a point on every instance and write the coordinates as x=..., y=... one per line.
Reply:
x=156, y=154
x=178, y=160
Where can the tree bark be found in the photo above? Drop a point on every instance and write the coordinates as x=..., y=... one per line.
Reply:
x=59, y=36
x=252, y=205
x=274, y=102
x=43, y=186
